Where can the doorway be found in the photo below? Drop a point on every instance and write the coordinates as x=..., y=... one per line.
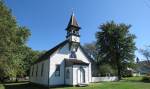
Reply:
x=80, y=76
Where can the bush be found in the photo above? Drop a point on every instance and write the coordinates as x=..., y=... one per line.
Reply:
x=127, y=73
x=106, y=70
x=148, y=74
x=146, y=79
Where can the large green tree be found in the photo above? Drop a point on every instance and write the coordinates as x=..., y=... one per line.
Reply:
x=30, y=57
x=13, y=39
x=116, y=46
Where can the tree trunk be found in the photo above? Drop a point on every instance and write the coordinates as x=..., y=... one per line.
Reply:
x=16, y=79
x=118, y=66
x=1, y=80
x=119, y=72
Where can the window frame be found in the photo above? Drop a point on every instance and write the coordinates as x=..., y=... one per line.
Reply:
x=37, y=70
x=42, y=69
x=57, y=71
x=32, y=70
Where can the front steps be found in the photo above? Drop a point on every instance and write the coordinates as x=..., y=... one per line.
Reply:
x=82, y=85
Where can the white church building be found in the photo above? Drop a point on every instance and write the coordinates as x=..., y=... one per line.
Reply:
x=65, y=64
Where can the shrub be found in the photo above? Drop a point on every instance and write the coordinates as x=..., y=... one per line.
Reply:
x=127, y=73
x=148, y=74
x=146, y=79
x=106, y=70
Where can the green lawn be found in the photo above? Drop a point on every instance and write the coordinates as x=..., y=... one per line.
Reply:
x=127, y=83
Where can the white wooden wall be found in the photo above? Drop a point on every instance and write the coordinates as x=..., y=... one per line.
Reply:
x=58, y=58
x=40, y=79
x=69, y=80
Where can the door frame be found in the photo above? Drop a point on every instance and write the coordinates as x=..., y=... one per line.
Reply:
x=80, y=69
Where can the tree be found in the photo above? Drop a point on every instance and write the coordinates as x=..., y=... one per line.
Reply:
x=90, y=48
x=30, y=57
x=116, y=45
x=12, y=42
x=145, y=52
x=15, y=56
x=137, y=60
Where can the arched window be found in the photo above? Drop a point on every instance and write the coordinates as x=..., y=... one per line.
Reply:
x=73, y=54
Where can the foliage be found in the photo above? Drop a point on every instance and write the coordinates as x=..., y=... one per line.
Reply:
x=12, y=40
x=90, y=48
x=30, y=57
x=145, y=52
x=116, y=46
x=106, y=70
x=127, y=73
x=146, y=79
x=15, y=56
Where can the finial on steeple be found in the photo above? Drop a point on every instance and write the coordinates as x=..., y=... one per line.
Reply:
x=72, y=12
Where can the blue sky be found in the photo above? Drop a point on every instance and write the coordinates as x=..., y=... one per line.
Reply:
x=47, y=19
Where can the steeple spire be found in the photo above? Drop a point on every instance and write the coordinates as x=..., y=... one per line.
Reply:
x=72, y=22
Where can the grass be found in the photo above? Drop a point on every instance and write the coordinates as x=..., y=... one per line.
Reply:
x=126, y=83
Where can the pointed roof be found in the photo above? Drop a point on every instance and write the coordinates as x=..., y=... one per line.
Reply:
x=47, y=54
x=73, y=22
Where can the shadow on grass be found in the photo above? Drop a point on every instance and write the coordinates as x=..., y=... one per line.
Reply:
x=24, y=85
x=27, y=85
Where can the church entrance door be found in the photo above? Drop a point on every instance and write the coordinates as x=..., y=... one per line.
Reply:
x=80, y=76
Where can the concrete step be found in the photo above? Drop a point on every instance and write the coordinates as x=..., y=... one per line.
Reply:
x=82, y=85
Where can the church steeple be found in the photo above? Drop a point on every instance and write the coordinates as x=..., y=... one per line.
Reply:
x=73, y=35
x=73, y=29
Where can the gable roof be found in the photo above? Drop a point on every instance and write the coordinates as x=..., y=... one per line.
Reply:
x=47, y=54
